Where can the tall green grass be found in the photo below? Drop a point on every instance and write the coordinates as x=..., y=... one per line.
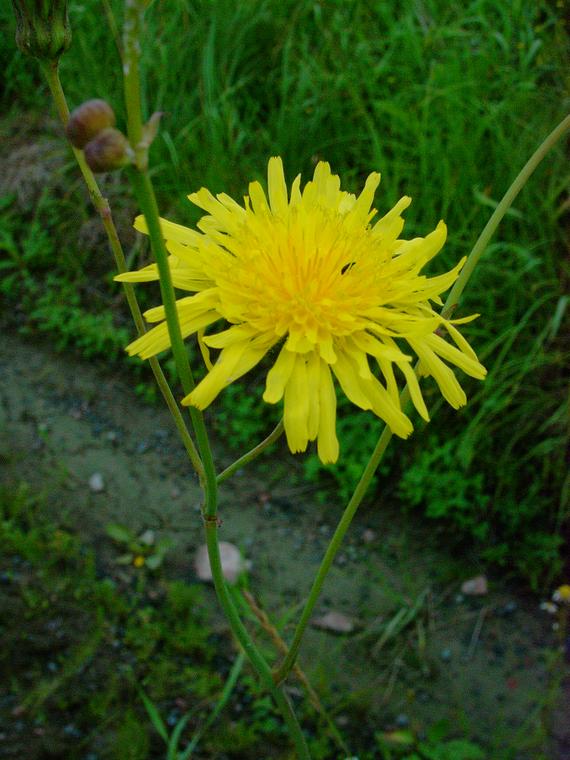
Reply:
x=447, y=100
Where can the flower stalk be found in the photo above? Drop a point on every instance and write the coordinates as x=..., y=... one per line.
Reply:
x=275, y=434
x=51, y=72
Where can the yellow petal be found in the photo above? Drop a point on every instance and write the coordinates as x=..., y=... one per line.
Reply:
x=347, y=376
x=277, y=189
x=453, y=355
x=278, y=376
x=327, y=442
x=232, y=363
x=171, y=231
x=296, y=407
x=312, y=391
x=157, y=339
x=442, y=374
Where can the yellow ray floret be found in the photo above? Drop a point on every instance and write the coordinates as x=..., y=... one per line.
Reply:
x=338, y=294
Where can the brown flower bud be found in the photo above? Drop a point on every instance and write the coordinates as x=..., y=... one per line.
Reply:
x=42, y=28
x=87, y=120
x=109, y=150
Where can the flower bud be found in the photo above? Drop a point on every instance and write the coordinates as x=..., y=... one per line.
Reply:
x=109, y=150
x=42, y=28
x=87, y=120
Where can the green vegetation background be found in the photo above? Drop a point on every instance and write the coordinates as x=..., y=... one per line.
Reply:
x=447, y=100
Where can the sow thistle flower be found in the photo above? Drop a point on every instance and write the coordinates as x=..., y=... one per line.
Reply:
x=337, y=295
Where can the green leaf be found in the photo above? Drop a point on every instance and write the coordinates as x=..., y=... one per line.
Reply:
x=118, y=533
x=154, y=561
x=438, y=732
x=154, y=715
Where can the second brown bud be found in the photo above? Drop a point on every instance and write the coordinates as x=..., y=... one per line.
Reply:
x=109, y=150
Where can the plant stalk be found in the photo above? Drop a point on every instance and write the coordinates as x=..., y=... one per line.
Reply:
x=51, y=73
x=282, y=672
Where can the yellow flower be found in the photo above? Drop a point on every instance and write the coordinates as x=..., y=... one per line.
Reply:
x=138, y=561
x=309, y=274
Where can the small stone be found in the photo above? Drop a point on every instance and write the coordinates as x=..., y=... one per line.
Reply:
x=96, y=483
x=334, y=621
x=445, y=654
x=173, y=718
x=369, y=536
x=53, y=667
x=233, y=563
x=147, y=538
x=476, y=586
x=402, y=720
x=510, y=607
x=174, y=492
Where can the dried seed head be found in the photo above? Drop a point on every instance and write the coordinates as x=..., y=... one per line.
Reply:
x=87, y=120
x=109, y=150
x=42, y=28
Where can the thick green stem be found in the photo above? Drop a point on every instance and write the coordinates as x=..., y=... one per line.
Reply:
x=283, y=670
x=253, y=454
x=102, y=206
x=251, y=651
x=145, y=194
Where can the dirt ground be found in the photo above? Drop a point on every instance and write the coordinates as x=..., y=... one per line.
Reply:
x=481, y=662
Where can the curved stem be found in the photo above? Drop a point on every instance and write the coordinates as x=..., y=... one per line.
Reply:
x=281, y=673
x=101, y=204
x=251, y=455
x=498, y=214
x=283, y=670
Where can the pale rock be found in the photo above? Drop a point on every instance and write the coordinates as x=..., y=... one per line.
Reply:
x=96, y=483
x=476, y=586
x=233, y=564
x=147, y=538
x=334, y=621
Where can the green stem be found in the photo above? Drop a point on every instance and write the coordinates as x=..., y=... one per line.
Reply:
x=251, y=455
x=101, y=204
x=283, y=670
x=146, y=198
x=281, y=673
x=144, y=191
x=249, y=647
x=498, y=214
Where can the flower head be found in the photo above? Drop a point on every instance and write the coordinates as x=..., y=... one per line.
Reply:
x=310, y=274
